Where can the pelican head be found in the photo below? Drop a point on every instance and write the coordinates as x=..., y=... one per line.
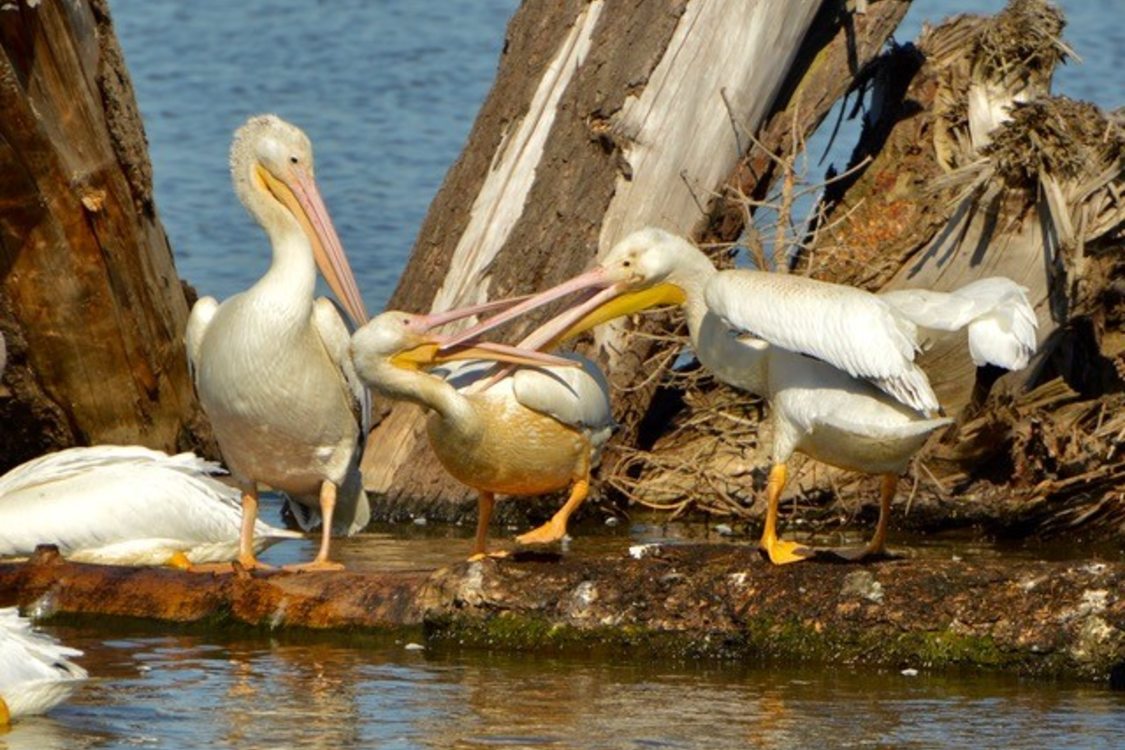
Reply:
x=647, y=268
x=407, y=342
x=271, y=165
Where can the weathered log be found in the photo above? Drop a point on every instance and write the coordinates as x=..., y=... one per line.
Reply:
x=1033, y=618
x=603, y=119
x=91, y=306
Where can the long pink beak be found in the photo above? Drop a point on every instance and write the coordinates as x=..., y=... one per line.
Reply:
x=424, y=324
x=594, y=279
x=329, y=252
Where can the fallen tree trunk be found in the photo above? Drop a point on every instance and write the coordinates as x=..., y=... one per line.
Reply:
x=91, y=308
x=604, y=119
x=1035, y=618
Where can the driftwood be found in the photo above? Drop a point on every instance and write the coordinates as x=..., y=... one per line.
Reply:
x=604, y=118
x=1034, y=618
x=90, y=305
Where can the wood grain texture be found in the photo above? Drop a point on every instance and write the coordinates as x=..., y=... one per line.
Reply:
x=92, y=306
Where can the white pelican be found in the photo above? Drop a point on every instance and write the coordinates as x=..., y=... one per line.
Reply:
x=835, y=362
x=537, y=431
x=124, y=505
x=36, y=673
x=271, y=364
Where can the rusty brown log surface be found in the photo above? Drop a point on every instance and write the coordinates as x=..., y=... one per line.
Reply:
x=1059, y=619
x=90, y=302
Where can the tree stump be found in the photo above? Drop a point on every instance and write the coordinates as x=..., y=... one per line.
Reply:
x=605, y=118
x=91, y=306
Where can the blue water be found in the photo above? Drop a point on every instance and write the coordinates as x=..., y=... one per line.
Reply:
x=387, y=91
x=192, y=690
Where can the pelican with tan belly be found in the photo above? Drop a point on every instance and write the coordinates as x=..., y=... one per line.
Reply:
x=271, y=364
x=534, y=431
x=836, y=362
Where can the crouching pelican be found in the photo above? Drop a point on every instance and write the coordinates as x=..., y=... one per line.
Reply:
x=36, y=673
x=124, y=505
x=271, y=364
x=835, y=362
x=538, y=430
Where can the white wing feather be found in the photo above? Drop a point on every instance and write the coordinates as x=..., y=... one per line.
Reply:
x=576, y=396
x=201, y=314
x=849, y=328
x=1001, y=321
x=336, y=337
x=35, y=670
x=125, y=505
x=334, y=334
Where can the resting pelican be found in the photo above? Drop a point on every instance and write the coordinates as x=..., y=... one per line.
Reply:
x=124, y=505
x=271, y=364
x=835, y=362
x=36, y=673
x=536, y=431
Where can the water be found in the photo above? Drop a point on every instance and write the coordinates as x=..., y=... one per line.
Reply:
x=388, y=91
x=185, y=689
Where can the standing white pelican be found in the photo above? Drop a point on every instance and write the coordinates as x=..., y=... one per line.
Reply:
x=539, y=430
x=124, y=505
x=36, y=673
x=835, y=362
x=271, y=364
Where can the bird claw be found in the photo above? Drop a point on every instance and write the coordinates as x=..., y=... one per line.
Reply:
x=478, y=556
x=781, y=552
x=545, y=534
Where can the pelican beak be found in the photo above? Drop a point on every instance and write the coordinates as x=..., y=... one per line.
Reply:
x=435, y=349
x=429, y=354
x=612, y=302
x=302, y=197
x=605, y=300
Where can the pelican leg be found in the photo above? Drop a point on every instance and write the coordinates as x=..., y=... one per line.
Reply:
x=485, y=503
x=246, y=535
x=555, y=529
x=779, y=551
x=877, y=545
x=246, y=556
x=327, y=506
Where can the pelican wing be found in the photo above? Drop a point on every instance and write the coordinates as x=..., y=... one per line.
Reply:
x=336, y=338
x=576, y=396
x=201, y=314
x=849, y=328
x=1000, y=319
x=124, y=504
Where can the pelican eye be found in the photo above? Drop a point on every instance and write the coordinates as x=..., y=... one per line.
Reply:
x=293, y=160
x=627, y=263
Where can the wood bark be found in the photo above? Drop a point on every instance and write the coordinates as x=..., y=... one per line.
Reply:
x=605, y=118
x=91, y=307
x=1057, y=619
